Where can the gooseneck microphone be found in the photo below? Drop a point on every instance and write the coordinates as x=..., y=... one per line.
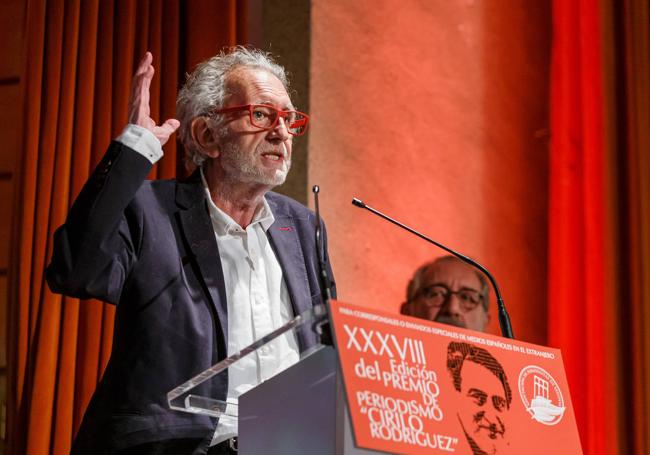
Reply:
x=322, y=326
x=504, y=318
x=325, y=280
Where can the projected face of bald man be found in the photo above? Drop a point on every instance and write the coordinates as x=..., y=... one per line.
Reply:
x=448, y=291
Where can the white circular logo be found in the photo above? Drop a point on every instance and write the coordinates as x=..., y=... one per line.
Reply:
x=547, y=404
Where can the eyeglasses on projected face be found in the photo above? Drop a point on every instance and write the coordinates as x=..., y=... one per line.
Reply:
x=436, y=296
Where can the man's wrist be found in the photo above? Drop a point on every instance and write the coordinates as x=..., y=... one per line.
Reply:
x=142, y=141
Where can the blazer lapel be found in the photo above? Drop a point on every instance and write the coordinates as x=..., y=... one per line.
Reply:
x=286, y=244
x=199, y=235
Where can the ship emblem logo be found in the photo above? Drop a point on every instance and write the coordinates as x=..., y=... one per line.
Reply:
x=547, y=404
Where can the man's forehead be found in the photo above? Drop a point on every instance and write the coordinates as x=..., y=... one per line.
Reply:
x=476, y=375
x=256, y=85
x=451, y=272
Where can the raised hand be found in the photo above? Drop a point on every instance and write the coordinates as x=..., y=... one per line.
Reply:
x=139, y=109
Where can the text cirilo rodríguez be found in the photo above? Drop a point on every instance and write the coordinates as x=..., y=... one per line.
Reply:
x=399, y=420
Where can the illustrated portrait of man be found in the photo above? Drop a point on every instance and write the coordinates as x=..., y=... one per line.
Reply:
x=486, y=397
x=450, y=291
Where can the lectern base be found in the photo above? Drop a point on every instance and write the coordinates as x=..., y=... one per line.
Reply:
x=300, y=411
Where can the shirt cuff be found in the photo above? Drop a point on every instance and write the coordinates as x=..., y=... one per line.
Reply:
x=142, y=141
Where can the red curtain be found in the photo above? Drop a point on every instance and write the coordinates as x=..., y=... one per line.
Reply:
x=79, y=59
x=599, y=217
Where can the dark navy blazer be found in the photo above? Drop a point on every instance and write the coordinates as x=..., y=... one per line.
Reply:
x=149, y=247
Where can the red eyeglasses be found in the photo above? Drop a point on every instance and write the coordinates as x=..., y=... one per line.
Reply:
x=266, y=117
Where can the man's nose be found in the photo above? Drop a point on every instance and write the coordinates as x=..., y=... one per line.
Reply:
x=451, y=306
x=280, y=130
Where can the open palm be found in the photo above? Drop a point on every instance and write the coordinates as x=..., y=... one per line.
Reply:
x=139, y=109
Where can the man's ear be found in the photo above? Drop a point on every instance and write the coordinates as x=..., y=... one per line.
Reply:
x=205, y=137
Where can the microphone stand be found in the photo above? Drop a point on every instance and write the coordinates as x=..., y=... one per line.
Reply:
x=504, y=318
x=322, y=326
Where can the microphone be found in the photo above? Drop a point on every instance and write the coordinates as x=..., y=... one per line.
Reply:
x=504, y=318
x=322, y=268
x=322, y=326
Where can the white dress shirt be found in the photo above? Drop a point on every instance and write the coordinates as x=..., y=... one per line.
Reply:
x=258, y=303
x=257, y=296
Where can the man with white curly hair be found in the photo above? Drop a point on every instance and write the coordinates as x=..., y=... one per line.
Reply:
x=198, y=269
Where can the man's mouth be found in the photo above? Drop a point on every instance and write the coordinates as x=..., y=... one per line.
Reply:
x=278, y=156
x=273, y=155
x=493, y=429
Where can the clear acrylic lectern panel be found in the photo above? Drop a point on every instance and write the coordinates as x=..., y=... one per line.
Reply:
x=195, y=396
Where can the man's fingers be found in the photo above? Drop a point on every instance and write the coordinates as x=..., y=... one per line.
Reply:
x=148, y=74
x=164, y=131
x=139, y=112
x=142, y=81
x=139, y=107
x=145, y=94
x=143, y=84
x=144, y=64
x=139, y=104
x=169, y=127
x=144, y=74
x=172, y=124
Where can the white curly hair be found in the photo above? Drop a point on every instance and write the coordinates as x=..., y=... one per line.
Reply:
x=205, y=91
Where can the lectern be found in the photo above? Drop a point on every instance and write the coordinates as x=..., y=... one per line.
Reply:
x=300, y=410
x=395, y=384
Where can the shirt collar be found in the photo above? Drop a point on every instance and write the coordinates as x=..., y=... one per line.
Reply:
x=224, y=224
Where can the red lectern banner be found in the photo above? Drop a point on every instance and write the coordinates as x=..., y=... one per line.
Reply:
x=415, y=386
